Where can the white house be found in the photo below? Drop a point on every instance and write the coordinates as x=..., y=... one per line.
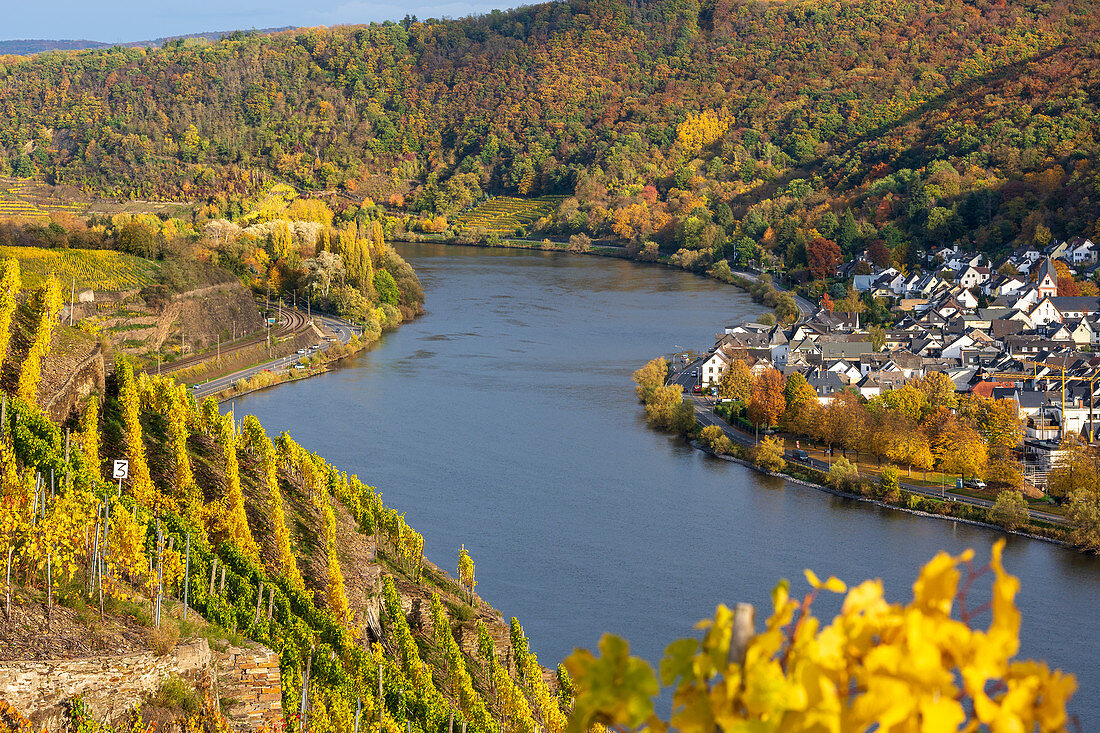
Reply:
x=1081, y=251
x=1045, y=312
x=862, y=283
x=953, y=349
x=973, y=276
x=714, y=367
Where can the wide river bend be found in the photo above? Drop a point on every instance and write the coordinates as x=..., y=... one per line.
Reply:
x=504, y=419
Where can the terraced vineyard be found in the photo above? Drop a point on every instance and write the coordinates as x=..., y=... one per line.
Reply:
x=12, y=204
x=503, y=215
x=94, y=269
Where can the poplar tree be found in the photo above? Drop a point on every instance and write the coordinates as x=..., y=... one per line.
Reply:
x=10, y=285
x=42, y=309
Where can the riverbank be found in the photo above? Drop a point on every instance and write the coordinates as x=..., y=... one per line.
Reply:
x=954, y=508
x=765, y=293
x=268, y=379
x=662, y=394
x=877, y=502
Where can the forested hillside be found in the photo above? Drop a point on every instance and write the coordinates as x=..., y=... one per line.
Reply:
x=702, y=125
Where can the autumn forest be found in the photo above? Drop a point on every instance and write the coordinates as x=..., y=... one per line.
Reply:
x=718, y=129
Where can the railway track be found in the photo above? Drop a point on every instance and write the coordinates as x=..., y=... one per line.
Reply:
x=293, y=322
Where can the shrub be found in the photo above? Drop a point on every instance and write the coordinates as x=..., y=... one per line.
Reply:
x=716, y=440
x=176, y=694
x=889, y=485
x=769, y=455
x=1010, y=509
x=843, y=475
x=163, y=640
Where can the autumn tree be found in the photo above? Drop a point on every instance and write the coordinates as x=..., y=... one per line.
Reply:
x=736, y=382
x=908, y=401
x=844, y=421
x=967, y=454
x=1000, y=423
x=889, y=484
x=716, y=440
x=938, y=389
x=766, y=402
x=768, y=454
x=1084, y=519
x=824, y=257
x=649, y=378
x=1075, y=467
x=801, y=405
x=667, y=410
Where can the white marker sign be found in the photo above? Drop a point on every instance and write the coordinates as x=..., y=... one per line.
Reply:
x=122, y=469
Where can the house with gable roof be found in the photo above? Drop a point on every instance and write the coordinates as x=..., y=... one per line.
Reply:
x=1047, y=279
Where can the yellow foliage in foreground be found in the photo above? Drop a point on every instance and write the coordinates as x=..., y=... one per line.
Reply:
x=877, y=666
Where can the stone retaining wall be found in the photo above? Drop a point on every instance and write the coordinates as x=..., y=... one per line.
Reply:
x=249, y=680
x=111, y=686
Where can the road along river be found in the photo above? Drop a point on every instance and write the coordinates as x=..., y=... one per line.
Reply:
x=505, y=419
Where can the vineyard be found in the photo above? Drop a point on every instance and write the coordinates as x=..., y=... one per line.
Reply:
x=13, y=204
x=94, y=269
x=506, y=215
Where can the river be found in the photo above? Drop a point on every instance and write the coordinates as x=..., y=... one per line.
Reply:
x=504, y=419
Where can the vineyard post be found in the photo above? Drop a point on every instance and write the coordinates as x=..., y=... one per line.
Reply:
x=95, y=554
x=304, y=708
x=49, y=587
x=53, y=484
x=221, y=583
x=187, y=576
x=66, y=458
x=213, y=570
x=381, y=700
x=270, y=601
x=7, y=593
x=103, y=551
x=451, y=723
x=160, y=567
x=358, y=712
x=259, y=604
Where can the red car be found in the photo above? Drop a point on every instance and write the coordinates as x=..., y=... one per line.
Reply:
x=697, y=389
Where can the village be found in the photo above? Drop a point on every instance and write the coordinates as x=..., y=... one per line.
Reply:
x=1002, y=330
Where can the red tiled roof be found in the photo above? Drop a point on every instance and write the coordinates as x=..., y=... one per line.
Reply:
x=985, y=388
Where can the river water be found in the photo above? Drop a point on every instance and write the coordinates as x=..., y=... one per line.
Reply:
x=504, y=419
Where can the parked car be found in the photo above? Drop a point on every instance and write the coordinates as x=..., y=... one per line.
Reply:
x=303, y=351
x=800, y=456
x=695, y=372
x=697, y=389
x=974, y=483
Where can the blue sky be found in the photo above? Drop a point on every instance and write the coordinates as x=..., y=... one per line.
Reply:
x=116, y=21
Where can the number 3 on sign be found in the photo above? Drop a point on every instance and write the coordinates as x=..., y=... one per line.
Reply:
x=122, y=469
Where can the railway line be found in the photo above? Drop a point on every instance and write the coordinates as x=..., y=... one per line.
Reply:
x=292, y=323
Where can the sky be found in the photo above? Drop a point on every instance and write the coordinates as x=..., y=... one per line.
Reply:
x=120, y=21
